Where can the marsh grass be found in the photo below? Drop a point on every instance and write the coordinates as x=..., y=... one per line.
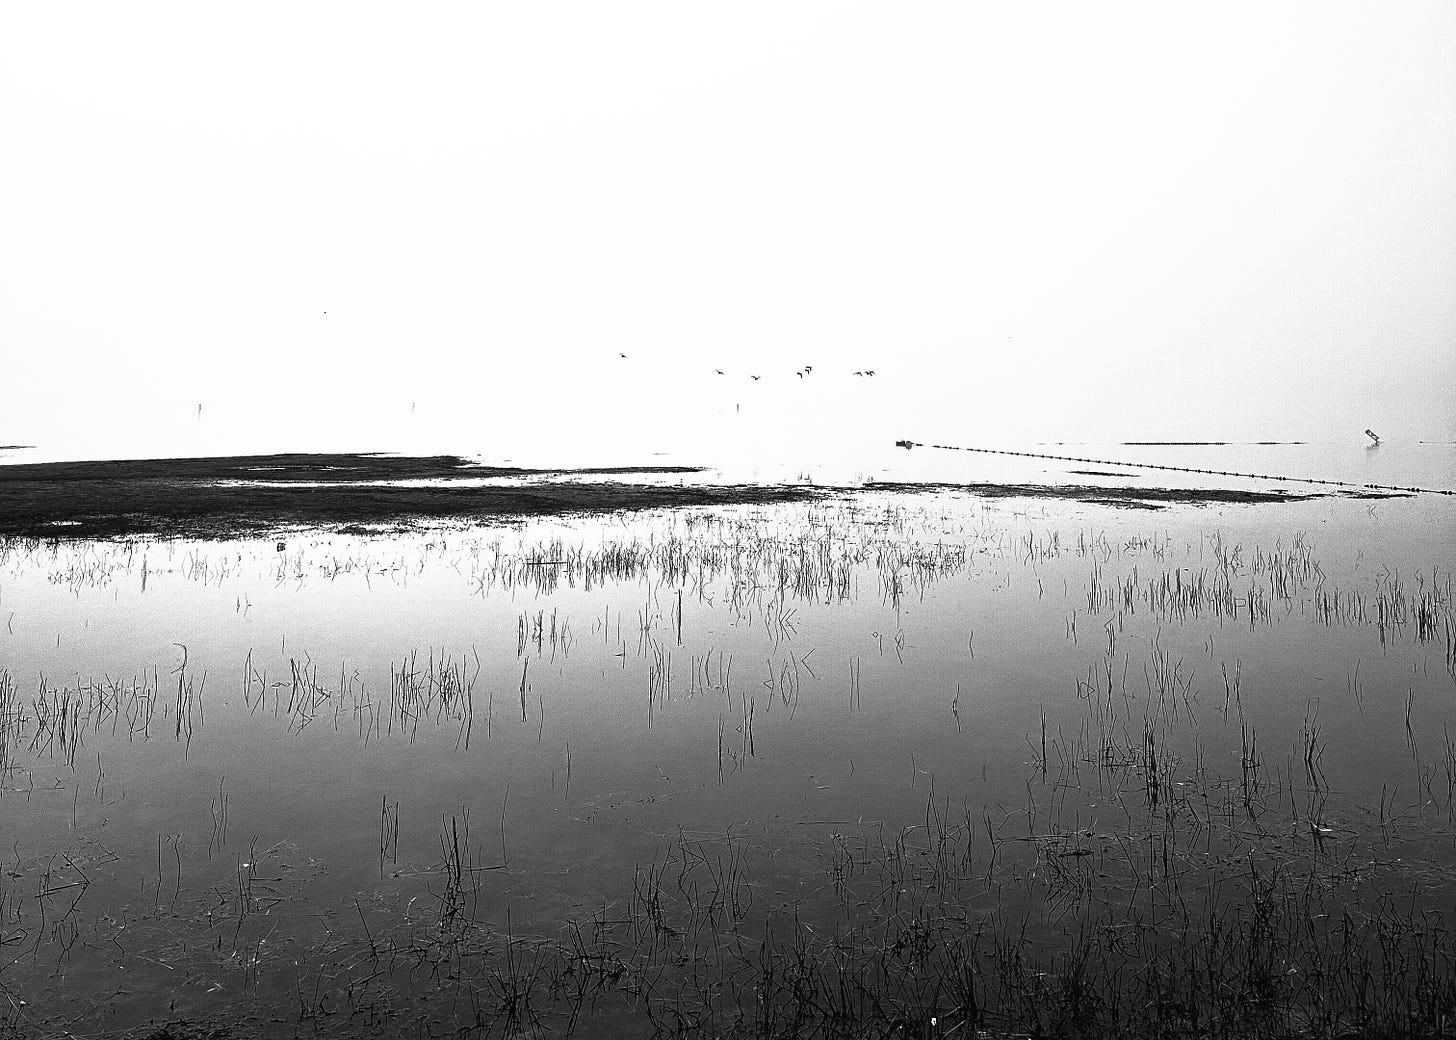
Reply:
x=1180, y=856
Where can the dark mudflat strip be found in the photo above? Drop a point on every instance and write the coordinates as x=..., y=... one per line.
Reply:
x=295, y=466
x=1131, y=497
x=184, y=508
x=187, y=497
x=183, y=497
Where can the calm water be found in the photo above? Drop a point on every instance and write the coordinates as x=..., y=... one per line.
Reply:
x=834, y=454
x=231, y=771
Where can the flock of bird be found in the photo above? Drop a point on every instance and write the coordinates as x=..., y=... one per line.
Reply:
x=807, y=370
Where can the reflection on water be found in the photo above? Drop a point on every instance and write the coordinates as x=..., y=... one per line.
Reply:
x=848, y=458
x=601, y=772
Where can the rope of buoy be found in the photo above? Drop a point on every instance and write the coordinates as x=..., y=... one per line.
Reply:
x=907, y=444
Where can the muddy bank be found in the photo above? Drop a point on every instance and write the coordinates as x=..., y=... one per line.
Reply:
x=295, y=466
x=1127, y=496
x=248, y=495
x=171, y=507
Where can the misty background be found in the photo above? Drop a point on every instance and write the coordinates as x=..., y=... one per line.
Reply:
x=358, y=227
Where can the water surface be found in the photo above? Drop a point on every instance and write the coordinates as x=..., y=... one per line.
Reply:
x=235, y=773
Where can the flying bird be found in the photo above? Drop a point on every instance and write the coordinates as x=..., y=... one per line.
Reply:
x=718, y=370
x=755, y=378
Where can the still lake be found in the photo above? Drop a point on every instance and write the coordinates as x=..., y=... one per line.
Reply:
x=591, y=774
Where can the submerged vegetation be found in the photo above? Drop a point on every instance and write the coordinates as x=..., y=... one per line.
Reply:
x=855, y=768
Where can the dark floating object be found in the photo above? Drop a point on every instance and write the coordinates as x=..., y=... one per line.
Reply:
x=1372, y=435
x=907, y=445
x=282, y=546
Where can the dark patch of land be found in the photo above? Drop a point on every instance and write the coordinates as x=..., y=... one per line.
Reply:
x=295, y=466
x=108, y=509
x=1377, y=493
x=197, y=497
x=1130, y=497
x=192, y=497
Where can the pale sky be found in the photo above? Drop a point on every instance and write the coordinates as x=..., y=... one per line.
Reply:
x=430, y=226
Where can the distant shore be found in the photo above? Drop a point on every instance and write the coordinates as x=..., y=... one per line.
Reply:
x=242, y=496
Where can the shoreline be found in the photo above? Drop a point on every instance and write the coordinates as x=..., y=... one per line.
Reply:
x=188, y=497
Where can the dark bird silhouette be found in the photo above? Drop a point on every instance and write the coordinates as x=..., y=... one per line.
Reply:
x=859, y=373
x=755, y=378
x=718, y=370
x=808, y=370
x=799, y=374
x=1373, y=436
x=869, y=371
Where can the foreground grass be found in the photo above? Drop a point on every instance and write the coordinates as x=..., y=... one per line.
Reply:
x=1208, y=896
x=927, y=942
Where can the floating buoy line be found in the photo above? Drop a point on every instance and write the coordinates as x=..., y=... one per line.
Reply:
x=907, y=444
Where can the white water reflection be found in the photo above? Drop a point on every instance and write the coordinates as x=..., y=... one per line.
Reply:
x=853, y=460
